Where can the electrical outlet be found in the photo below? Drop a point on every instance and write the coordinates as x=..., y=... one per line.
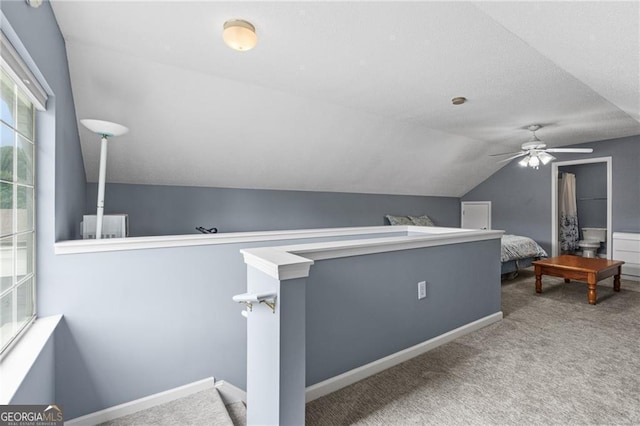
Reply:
x=422, y=290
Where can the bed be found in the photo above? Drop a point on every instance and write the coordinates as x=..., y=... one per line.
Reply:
x=518, y=252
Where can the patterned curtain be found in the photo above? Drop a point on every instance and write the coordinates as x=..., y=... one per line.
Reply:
x=568, y=210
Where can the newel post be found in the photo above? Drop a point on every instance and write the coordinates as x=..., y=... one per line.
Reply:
x=276, y=324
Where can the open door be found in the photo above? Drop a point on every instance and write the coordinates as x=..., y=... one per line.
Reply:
x=476, y=214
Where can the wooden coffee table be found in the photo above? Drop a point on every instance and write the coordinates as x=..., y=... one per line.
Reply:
x=590, y=270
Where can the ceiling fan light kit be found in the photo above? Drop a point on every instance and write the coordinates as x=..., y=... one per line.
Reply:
x=535, y=151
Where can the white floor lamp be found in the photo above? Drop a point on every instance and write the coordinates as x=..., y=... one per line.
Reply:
x=105, y=129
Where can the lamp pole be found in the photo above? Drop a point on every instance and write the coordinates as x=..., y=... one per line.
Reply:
x=102, y=177
x=105, y=129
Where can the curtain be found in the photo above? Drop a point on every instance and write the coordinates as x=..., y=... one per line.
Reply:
x=568, y=210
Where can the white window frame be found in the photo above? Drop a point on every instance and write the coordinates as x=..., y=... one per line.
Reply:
x=28, y=87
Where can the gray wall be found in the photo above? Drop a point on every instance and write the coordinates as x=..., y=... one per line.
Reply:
x=60, y=169
x=377, y=312
x=168, y=210
x=144, y=321
x=591, y=194
x=521, y=197
x=38, y=387
x=60, y=177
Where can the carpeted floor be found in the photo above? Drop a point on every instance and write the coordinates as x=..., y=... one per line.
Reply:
x=553, y=359
x=201, y=408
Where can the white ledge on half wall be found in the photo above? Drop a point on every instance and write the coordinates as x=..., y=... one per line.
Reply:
x=168, y=241
x=290, y=262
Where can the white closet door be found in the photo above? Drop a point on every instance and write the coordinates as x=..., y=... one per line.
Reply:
x=476, y=214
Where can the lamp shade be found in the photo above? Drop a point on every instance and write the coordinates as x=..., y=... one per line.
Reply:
x=239, y=35
x=546, y=158
x=104, y=128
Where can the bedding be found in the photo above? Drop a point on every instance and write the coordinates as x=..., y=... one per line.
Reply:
x=516, y=247
x=518, y=252
x=423, y=220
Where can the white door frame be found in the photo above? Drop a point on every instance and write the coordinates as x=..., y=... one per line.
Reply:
x=554, y=200
x=486, y=203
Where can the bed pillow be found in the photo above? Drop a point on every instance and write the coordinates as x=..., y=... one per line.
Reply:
x=399, y=220
x=423, y=220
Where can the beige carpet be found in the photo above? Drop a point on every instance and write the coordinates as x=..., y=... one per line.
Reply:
x=554, y=359
x=201, y=408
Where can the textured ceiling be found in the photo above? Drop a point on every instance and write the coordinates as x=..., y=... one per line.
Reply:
x=346, y=96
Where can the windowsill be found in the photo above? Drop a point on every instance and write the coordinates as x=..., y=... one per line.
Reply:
x=17, y=363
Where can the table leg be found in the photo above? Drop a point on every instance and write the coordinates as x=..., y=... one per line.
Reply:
x=592, y=289
x=538, y=281
x=616, y=280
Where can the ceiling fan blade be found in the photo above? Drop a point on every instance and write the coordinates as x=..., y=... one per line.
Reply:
x=520, y=154
x=505, y=153
x=580, y=150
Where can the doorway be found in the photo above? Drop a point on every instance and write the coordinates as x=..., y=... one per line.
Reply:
x=476, y=215
x=555, y=250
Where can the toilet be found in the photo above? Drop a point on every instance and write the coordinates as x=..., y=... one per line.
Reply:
x=592, y=238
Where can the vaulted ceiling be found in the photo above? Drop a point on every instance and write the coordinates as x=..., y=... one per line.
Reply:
x=346, y=96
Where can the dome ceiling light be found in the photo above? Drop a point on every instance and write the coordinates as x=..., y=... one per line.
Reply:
x=239, y=35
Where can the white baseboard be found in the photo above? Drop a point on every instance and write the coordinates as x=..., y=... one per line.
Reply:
x=230, y=393
x=345, y=379
x=141, y=404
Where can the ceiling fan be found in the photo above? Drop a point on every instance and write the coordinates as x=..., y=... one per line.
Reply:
x=536, y=152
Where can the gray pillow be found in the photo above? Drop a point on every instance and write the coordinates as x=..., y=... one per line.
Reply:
x=399, y=220
x=421, y=221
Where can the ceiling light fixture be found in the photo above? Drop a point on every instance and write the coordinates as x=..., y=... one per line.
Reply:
x=459, y=100
x=546, y=158
x=534, y=159
x=535, y=151
x=239, y=35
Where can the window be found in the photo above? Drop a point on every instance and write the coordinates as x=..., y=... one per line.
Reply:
x=17, y=210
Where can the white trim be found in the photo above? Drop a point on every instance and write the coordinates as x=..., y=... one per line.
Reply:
x=277, y=263
x=345, y=379
x=229, y=393
x=14, y=65
x=288, y=262
x=142, y=404
x=554, y=200
x=19, y=359
x=143, y=243
x=168, y=241
x=632, y=236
